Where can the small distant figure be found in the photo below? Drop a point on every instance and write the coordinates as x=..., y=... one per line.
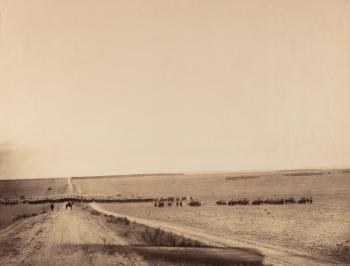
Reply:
x=52, y=206
x=69, y=205
x=49, y=188
x=22, y=200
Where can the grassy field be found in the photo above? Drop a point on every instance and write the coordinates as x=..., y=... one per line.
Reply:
x=32, y=187
x=159, y=247
x=27, y=188
x=214, y=186
x=322, y=229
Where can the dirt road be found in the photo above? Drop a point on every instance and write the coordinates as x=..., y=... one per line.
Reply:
x=273, y=255
x=75, y=237
x=63, y=238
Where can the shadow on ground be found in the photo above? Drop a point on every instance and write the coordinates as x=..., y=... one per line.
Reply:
x=160, y=255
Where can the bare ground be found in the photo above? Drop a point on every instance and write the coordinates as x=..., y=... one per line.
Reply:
x=273, y=255
x=77, y=237
x=63, y=238
x=297, y=234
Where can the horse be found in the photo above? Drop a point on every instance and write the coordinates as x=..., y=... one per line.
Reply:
x=221, y=202
x=69, y=204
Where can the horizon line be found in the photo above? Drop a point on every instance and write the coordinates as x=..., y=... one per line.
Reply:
x=180, y=173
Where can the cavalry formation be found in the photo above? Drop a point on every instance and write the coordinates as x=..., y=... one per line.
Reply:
x=272, y=201
x=83, y=198
x=176, y=201
x=159, y=202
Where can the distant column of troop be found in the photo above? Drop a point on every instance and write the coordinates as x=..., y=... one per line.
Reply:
x=84, y=198
x=157, y=201
x=273, y=201
x=161, y=202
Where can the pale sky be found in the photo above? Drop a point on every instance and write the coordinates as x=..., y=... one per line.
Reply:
x=112, y=87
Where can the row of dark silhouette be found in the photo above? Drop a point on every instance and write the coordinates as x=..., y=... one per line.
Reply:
x=158, y=202
x=75, y=198
x=272, y=201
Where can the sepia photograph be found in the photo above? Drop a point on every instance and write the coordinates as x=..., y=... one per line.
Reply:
x=175, y=132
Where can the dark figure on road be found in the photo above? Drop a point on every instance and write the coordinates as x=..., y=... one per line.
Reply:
x=69, y=205
x=52, y=206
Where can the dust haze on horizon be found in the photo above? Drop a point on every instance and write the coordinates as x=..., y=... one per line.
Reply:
x=119, y=87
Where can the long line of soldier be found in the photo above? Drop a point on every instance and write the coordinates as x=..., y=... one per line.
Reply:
x=276, y=201
x=160, y=202
x=76, y=198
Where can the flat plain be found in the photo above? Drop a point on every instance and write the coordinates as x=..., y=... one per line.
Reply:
x=320, y=230
x=308, y=234
x=84, y=236
x=28, y=188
